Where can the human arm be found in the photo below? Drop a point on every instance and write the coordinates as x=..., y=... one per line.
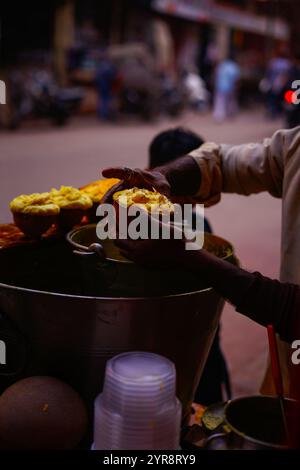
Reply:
x=247, y=168
x=216, y=168
x=262, y=299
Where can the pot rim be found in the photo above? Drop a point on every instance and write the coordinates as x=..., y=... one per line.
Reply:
x=117, y=299
x=245, y=436
x=88, y=226
x=90, y=297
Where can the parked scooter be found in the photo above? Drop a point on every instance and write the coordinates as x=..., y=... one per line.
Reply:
x=36, y=94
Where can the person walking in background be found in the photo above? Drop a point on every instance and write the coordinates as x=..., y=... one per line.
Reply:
x=197, y=93
x=105, y=77
x=225, y=98
x=278, y=70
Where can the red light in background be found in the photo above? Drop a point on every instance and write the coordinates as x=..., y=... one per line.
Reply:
x=288, y=96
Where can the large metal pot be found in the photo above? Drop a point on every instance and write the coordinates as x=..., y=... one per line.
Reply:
x=71, y=334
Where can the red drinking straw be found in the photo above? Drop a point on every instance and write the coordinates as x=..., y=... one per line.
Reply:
x=276, y=372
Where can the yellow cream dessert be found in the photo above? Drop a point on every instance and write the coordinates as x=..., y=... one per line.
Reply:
x=36, y=203
x=73, y=206
x=34, y=213
x=147, y=200
x=68, y=197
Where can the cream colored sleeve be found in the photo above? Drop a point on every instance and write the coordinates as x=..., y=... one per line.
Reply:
x=247, y=168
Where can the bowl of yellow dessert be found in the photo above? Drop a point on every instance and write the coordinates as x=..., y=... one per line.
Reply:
x=150, y=201
x=96, y=190
x=73, y=205
x=136, y=201
x=34, y=213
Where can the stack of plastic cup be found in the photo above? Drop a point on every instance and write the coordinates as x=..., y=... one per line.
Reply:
x=138, y=408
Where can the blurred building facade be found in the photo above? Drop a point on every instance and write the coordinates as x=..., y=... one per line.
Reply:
x=179, y=34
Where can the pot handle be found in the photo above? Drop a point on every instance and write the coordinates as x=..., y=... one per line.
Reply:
x=94, y=248
x=218, y=435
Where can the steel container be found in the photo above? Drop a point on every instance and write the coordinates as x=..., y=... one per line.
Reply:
x=70, y=333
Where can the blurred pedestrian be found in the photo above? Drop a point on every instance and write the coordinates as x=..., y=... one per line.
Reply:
x=105, y=77
x=197, y=93
x=226, y=81
x=278, y=70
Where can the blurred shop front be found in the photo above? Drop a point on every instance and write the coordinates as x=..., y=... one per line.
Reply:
x=169, y=36
x=193, y=30
x=207, y=31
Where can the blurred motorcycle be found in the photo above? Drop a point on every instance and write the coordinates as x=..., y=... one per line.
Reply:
x=36, y=94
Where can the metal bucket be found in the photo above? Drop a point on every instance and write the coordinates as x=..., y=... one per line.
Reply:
x=70, y=334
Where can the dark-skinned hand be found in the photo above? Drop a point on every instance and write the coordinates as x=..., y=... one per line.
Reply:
x=153, y=253
x=144, y=179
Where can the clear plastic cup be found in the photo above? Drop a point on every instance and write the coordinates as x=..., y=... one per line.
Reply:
x=138, y=408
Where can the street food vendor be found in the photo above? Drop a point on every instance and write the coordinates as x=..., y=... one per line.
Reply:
x=272, y=165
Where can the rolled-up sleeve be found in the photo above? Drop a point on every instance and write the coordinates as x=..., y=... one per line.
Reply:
x=243, y=169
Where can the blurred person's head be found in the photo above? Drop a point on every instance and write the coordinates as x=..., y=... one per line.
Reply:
x=171, y=144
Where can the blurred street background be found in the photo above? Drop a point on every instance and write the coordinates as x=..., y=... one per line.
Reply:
x=90, y=83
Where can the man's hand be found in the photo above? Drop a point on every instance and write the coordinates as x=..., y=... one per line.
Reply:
x=160, y=252
x=181, y=177
x=136, y=178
